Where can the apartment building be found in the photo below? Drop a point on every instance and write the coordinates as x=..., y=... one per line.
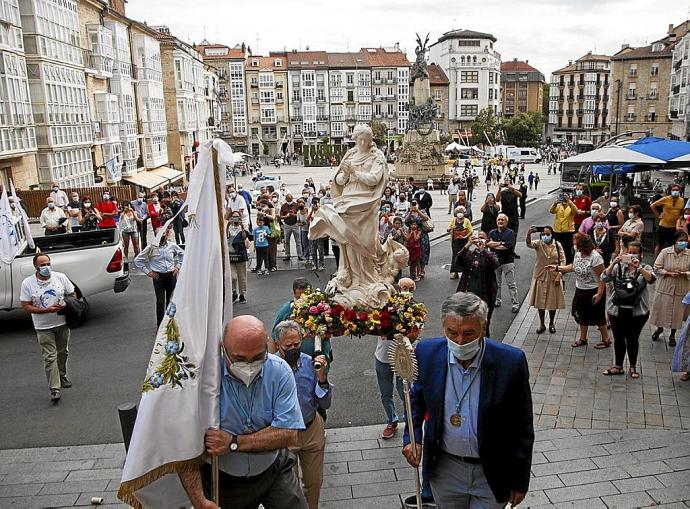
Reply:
x=439, y=85
x=390, y=87
x=349, y=84
x=186, y=108
x=679, y=90
x=231, y=122
x=472, y=66
x=267, y=104
x=17, y=131
x=522, y=88
x=308, y=97
x=57, y=86
x=580, y=101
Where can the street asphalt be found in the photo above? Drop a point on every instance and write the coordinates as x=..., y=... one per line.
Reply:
x=108, y=355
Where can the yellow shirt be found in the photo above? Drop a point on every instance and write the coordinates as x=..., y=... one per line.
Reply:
x=466, y=223
x=565, y=217
x=672, y=208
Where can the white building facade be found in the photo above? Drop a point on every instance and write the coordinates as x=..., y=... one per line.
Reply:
x=17, y=132
x=55, y=69
x=349, y=79
x=308, y=92
x=473, y=68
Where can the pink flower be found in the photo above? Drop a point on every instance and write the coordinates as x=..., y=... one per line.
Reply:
x=320, y=306
x=314, y=310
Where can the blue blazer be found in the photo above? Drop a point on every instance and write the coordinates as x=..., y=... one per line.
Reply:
x=504, y=424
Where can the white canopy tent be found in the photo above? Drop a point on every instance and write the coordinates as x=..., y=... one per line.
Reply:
x=613, y=155
x=455, y=146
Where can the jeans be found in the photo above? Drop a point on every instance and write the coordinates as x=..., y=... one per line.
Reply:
x=304, y=238
x=626, y=330
x=316, y=248
x=292, y=231
x=179, y=231
x=384, y=376
x=54, y=344
x=509, y=270
x=163, y=285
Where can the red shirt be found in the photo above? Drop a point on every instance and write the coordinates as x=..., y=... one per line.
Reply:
x=582, y=203
x=110, y=208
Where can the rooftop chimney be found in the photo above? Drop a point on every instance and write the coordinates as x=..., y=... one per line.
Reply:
x=625, y=46
x=670, y=28
x=515, y=60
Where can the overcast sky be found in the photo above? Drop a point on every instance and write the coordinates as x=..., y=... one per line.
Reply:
x=548, y=33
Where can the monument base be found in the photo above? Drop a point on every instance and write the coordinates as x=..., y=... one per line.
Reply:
x=421, y=156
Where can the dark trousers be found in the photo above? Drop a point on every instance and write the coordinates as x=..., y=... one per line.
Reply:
x=179, y=232
x=523, y=207
x=566, y=240
x=262, y=258
x=277, y=487
x=626, y=330
x=142, y=233
x=513, y=222
x=272, y=261
x=164, y=285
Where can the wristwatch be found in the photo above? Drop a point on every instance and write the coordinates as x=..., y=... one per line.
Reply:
x=233, y=443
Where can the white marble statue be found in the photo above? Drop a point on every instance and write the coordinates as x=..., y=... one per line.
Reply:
x=367, y=267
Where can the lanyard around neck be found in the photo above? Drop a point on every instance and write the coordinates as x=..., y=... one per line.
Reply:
x=469, y=386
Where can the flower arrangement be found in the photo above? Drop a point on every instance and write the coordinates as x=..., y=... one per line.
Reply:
x=320, y=316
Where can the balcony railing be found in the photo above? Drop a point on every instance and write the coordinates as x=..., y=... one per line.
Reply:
x=675, y=89
x=673, y=114
x=631, y=96
x=653, y=95
x=295, y=118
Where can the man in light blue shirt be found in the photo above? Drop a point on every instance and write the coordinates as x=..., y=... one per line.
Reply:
x=314, y=394
x=161, y=263
x=142, y=209
x=259, y=419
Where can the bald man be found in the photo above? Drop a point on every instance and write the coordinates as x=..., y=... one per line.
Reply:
x=259, y=419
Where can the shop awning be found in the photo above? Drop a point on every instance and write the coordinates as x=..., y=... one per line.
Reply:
x=613, y=155
x=167, y=174
x=146, y=179
x=668, y=150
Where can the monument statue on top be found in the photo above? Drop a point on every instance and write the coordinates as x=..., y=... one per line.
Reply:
x=421, y=155
x=367, y=268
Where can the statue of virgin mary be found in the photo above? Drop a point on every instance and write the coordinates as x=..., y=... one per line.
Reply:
x=367, y=268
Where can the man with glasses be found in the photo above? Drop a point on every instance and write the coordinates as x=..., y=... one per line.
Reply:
x=260, y=418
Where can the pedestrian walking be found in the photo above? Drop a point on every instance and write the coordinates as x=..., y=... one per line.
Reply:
x=530, y=179
x=470, y=187
x=314, y=394
x=502, y=241
x=628, y=306
x=589, y=301
x=547, y=291
x=161, y=263
x=260, y=419
x=238, y=238
x=43, y=295
x=564, y=224
x=261, y=236
x=672, y=267
x=456, y=373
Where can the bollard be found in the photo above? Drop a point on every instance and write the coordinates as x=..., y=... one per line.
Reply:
x=128, y=416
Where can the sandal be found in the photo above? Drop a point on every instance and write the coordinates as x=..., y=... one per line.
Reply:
x=552, y=329
x=603, y=345
x=579, y=343
x=656, y=334
x=634, y=373
x=685, y=377
x=541, y=329
x=613, y=370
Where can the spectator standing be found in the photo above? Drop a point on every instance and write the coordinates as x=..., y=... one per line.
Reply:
x=615, y=217
x=415, y=215
x=314, y=393
x=547, y=291
x=632, y=229
x=74, y=212
x=89, y=217
x=603, y=200
x=462, y=202
x=564, y=224
x=683, y=220
x=288, y=215
x=502, y=241
x=681, y=355
x=129, y=227
x=141, y=208
x=236, y=202
x=424, y=200
x=523, y=198
x=430, y=184
x=179, y=222
x=316, y=246
x=588, y=222
x=672, y=267
x=108, y=210
x=453, y=189
x=603, y=239
x=59, y=196
x=667, y=210
x=489, y=212
x=154, y=209
x=508, y=197
x=261, y=235
x=583, y=203
x=237, y=247
x=470, y=187
x=588, y=307
x=402, y=206
x=303, y=225
x=43, y=296
x=628, y=306
x=161, y=263
x=460, y=229
x=53, y=219
x=414, y=248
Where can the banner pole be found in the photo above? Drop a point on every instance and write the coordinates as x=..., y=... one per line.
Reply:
x=221, y=223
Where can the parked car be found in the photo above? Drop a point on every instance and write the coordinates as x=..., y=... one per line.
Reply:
x=91, y=260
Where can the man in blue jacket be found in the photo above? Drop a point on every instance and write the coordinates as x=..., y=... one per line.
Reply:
x=477, y=443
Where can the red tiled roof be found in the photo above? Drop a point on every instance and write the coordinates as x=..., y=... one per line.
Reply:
x=517, y=66
x=234, y=53
x=380, y=57
x=437, y=76
x=266, y=62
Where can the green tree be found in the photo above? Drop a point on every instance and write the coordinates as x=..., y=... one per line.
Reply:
x=380, y=131
x=545, y=100
x=485, y=122
x=524, y=129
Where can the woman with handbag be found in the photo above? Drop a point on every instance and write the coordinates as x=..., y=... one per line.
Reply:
x=628, y=305
x=547, y=291
x=237, y=249
x=460, y=228
x=415, y=215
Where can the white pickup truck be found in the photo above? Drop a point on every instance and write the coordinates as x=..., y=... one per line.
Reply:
x=92, y=260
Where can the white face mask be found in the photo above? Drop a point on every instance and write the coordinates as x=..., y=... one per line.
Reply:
x=464, y=352
x=246, y=371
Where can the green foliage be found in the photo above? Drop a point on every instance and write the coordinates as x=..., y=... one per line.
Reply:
x=320, y=155
x=485, y=121
x=265, y=149
x=380, y=131
x=524, y=129
x=545, y=101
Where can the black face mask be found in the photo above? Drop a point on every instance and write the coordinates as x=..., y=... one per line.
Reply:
x=291, y=356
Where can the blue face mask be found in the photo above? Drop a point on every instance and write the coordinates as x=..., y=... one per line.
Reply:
x=675, y=194
x=546, y=238
x=682, y=244
x=44, y=270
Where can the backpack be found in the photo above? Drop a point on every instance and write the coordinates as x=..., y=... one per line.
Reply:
x=627, y=291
